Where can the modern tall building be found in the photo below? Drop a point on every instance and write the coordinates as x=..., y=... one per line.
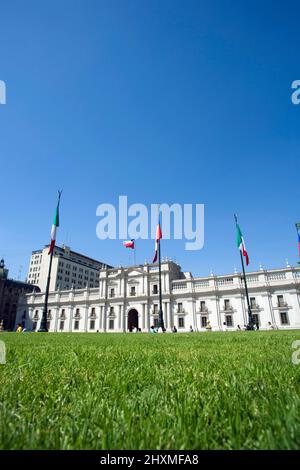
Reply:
x=128, y=297
x=10, y=291
x=69, y=269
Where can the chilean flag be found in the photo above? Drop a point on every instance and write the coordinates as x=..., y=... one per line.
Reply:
x=298, y=231
x=157, y=238
x=129, y=244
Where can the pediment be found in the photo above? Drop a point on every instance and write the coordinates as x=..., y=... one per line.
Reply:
x=135, y=272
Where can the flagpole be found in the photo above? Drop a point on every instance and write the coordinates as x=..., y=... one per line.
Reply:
x=160, y=313
x=250, y=317
x=134, y=252
x=43, y=327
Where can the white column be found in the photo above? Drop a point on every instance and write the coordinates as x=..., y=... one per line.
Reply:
x=70, y=318
x=56, y=319
x=86, y=318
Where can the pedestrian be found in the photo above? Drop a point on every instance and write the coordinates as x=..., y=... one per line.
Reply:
x=174, y=329
x=224, y=326
x=191, y=329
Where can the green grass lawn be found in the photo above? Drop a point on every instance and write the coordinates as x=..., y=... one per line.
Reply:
x=140, y=391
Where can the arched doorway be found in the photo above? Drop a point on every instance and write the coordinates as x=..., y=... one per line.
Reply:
x=133, y=319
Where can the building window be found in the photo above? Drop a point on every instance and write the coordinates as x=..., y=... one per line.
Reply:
x=48, y=325
x=155, y=309
x=280, y=301
x=76, y=325
x=92, y=324
x=155, y=322
x=132, y=290
x=202, y=306
x=93, y=312
x=227, y=304
x=181, y=322
x=112, y=292
x=252, y=302
x=111, y=310
x=111, y=324
x=155, y=289
x=229, y=320
x=203, y=322
x=61, y=325
x=180, y=309
x=284, y=318
x=255, y=318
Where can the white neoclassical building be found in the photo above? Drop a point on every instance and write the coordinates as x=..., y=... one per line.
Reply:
x=128, y=297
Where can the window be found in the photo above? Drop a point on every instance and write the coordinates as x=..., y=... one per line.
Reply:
x=202, y=306
x=252, y=302
x=229, y=321
x=112, y=292
x=155, y=289
x=111, y=324
x=280, y=301
x=155, y=309
x=48, y=325
x=132, y=290
x=284, y=318
x=111, y=310
x=76, y=325
x=181, y=322
x=180, y=309
x=255, y=318
x=92, y=324
x=61, y=325
x=227, y=304
x=93, y=312
x=203, y=322
x=155, y=322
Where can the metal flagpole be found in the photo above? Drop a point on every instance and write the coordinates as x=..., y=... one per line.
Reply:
x=134, y=241
x=160, y=313
x=43, y=327
x=250, y=316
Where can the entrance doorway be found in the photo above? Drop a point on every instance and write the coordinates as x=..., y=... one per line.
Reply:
x=133, y=319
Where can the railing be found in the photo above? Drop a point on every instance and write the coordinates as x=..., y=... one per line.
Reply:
x=226, y=281
x=282, y=304
x=201, y=284
x=255, y=306
x=179, y=286
x=252, y=278
x=276, y=276
x=203, y=310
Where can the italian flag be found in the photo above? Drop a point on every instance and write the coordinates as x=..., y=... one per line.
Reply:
x=54, y=228
x=241, y=243
x=157, y=238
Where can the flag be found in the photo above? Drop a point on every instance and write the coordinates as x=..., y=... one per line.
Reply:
x=157, y=238
x=241, y=243
x=54, y=228
x=129, y=244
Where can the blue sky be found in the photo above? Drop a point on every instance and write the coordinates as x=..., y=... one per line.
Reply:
x=162, y=101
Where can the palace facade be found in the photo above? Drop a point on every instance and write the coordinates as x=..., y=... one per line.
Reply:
x=128, y=297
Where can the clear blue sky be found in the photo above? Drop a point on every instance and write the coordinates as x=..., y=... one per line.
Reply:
x=163, y=101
